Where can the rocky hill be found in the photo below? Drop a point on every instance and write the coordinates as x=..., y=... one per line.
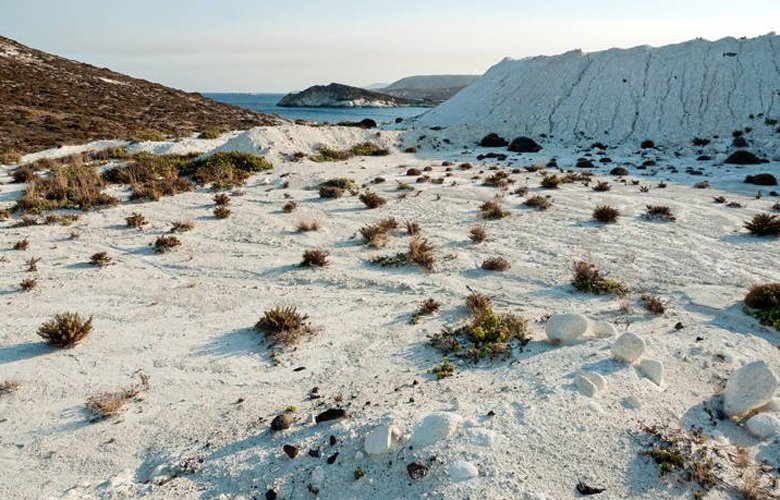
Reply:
x=337, y=95
x=672, y=93
x=429, y=89
x=46, y=101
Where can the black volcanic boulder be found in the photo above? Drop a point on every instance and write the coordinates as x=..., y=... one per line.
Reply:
x=524, y=145
x=493, y=140
x=584, y=163
x=761, y=179
x=367, y=123
x=739, y=142
x=618, y=171
x=648, y=144
x=742, y=157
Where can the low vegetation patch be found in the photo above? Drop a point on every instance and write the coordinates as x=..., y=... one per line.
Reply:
x=444, y=370
x=101, y=259
x=606, y=214
x=325, y=154
x=478, y=233
x=111, y=404
x=602, y=187
x=653, y=304
x=538, y=202
x=28, y=284
x=763, y=302
x=588, y=279
x=375, y=235
x=182, y=226
x=427, y=307
x=289, y=207
x=487, y=333
x=65, y=187
x=136, y=220
x=372, y=200
x=492, y=209
x=314, y=258
x=659, y=212
x=304, y=226
x=284, y=325
x=764, y=224
x=222, y=212
x=164, y=244
x=495, y=264
x=421, y=253
x=225, y=169
x=65, y=330
x=22, y=244
x=222, y=199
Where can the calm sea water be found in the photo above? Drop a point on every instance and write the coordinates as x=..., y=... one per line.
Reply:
x=266, y=103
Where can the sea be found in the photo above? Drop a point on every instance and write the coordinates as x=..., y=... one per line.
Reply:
x=266, y=103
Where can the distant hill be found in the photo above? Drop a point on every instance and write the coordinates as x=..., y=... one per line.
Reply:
x=46, y=101
x=337, y=95
x=430, y=90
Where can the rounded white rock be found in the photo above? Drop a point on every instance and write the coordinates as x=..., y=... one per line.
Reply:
x=764, y=425
x=381, y=439
x=603, y=329
x=566, y=328
x=463, y=471
x=629, y=347
x=652, y=369
x=748, y=388
x=435, y=427
x=586, y=386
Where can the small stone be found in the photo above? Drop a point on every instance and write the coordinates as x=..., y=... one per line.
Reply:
x=679, y=325
x=315, y=453
x=628, y=347
x=332, y=459
x=330, y=414
x=481, y=437
x=764, y=425
x=281, y=422
x=652, y=369
x=290, y=450
x=603, y=329
x=381, y=439
x=463, y=471
x=417, y=470
x=632, y=403
x=565, y=328
x=333, y=440
x=271, y=494
x=317, y=477
x=435, y=427
x=748, y=388
x=585, y=386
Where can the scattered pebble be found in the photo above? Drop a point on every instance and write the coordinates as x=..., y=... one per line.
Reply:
x=291, y=451
x=417, y=470
x=331, y=414
x=281, y=422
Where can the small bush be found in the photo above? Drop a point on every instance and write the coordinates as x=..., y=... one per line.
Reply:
x=763, y=303
x=100, y=259
x=588, y=279
x=165, y=244
x=444, y=370
x=428, y=307
x=372, y=200
x=551, y=181
x=421, y=252
x=222, y=212
x=478, y=234
x=412, y=228
x=304, y=226
x=65, y=330
x=284, y=325
x=225, y=169
x=28, y=284
x=368, y=149
x=602, y=187
x=314, y=258
x=222, y=199
x=211, y=133
x=331, y=192
x=653, y=304
x=32, y=264
x=22, y=244
x=606, y=214
x=182, y=226
x=538, y=202
x=136, y=220
x=9, y=387
x=65, y=187
x=659, y=212
x=764, y=225
x=376, y=234
x=495, y=264
x=111, y=404
x=289, y=207
x=492, y=210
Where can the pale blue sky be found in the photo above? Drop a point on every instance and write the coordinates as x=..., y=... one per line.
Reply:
x=272, y=45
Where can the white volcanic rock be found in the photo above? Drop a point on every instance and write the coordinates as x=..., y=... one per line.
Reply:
x=652, y=369
x=619, y=95
x=602, y=329
x=590, y=384
x=749, y=388
x=764, y=425
x=435, y=427
x=566, y=328
x=463, y=471
x=381, y=439
x=628, y=347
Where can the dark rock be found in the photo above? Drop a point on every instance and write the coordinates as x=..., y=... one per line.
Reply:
x=290, y=450
x=524, y=145
x=399, y=120
x=332, y=458
x=763, y=179
x=619, y=171
x=417, y=470
x=413, y=172
x=584, y=489
x=704, y=158
x=271, y=494
x=315, y=453
x=281, y=422
x=598, y=145
x=584, y=163
x=367, y=123
x=739, y=142
x=411, y=149
x=493, y=140
x=648, y=144
x=679, y=326
x=702, y=185
x=605, y=160
x=331, y=414
x=333, y=440
x=649, y=163
x=742, y=157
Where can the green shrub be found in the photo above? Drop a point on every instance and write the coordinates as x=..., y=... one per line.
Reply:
x=225, y=169
x=588, y=279
x=763, y=302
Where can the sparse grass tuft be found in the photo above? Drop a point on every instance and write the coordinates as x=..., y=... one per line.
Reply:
x=289, y=207
x=588, y=279
x=32, y=264
x=165, y=244
x=182, y=226
x=763, y=303
x=551, y=181
x=606, y=214
x=111, y=404
x=9, y=387
x=428, y=307
x=65, y=330
x=284, y=325
x=602, y=187
x=331, y=192
x=421, y=252
x=444, y=370
x=221, y=212
x=764, y=224
x=28, y=284
x=314, y=258
x=492, y=210
x=304, y=226
x=375, y=235
x=412, y=228
x=478, y=233
x=538, y=202
x=653, y=304
x=136, y=220
x=100, y=259
x=659, y=212
x=22, y=244
x=495, y=264
x=372, y=200
x=222, y=199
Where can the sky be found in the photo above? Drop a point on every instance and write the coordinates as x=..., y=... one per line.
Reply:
x=281, y=46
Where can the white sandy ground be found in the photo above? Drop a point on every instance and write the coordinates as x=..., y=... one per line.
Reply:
x=185, y=319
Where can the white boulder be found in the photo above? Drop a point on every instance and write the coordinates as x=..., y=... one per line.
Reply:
x=566, y=328
x=381, y=440
x=652, y=369
x=764, y=425
x=435, y=427
x=602, y=329
x=629, y=347
x=463, y=471
x=749, y=388
x=590, y=384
